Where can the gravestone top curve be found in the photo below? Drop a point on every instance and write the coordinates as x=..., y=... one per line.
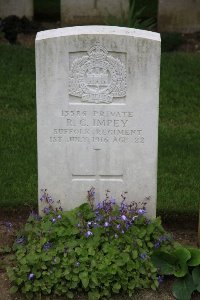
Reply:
x=97, y=29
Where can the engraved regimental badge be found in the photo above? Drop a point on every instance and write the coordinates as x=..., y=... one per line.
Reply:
x=97, y=77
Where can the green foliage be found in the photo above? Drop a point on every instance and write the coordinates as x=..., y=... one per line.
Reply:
x=183, y=288
x=133, y=20
x=178, y=262
x=100, y=251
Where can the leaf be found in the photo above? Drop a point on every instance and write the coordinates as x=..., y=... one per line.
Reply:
x=91, y=251
x=125, y=257
x=182, y=255
x=116, y=287
x=70, y=295
x=195, y=257
x=134, y=254
x=13, y=289
x=183, y=288
x=196, y=277
x=94, y=279
x=181, y=270
x=164, y=261
x=94, y=295
x=84, y=279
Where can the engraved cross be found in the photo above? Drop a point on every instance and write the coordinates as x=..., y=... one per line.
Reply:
x=97, y=177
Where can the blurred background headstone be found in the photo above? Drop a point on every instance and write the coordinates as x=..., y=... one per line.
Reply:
x=179, y=16
x=19, y=8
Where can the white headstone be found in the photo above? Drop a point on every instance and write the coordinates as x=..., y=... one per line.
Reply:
x=97, y=113
x=179, y=16
x=19, y=8
x=84, y=12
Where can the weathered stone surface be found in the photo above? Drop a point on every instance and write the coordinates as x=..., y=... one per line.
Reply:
x=86, y=12
x=179, y=16
x=18, y=8
x=97, y=113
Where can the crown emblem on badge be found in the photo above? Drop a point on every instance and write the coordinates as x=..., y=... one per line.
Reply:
x=97, y=77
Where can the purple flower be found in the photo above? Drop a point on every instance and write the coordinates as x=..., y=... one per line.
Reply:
x=53, y=220
x=46, y=210
x=163, y=239
x=43, y=197
x=99, y=205
x=113, y=201
x=20, y=240
x=35, y=216
x=99, y=218
x=122, y=231
x=123, y=217
x=89, y=224
x=49, y=199
x=96, y=212
x=77, y=264
x=118, y=226
x=141, y=211
x=157, y=245
x=106, y=224
x=143, y=256
x=8, y=225
x=88, y=233
x=59, y=217
x=160, y=279
x=31, y=276
x=123, y=207
x=47, y=246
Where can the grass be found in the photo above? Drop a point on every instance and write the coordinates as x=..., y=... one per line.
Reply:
x=18, y=174
x=179, y=131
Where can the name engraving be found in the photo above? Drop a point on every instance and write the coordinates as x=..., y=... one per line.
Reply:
x=97, y=126
x=97, y=77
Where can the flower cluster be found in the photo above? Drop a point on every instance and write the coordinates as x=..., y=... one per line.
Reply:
x=117, y=219
x=161, y=240
x=48, y=203
x=99, y=248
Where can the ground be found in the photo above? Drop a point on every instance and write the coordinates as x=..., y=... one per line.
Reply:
x=183, y=229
